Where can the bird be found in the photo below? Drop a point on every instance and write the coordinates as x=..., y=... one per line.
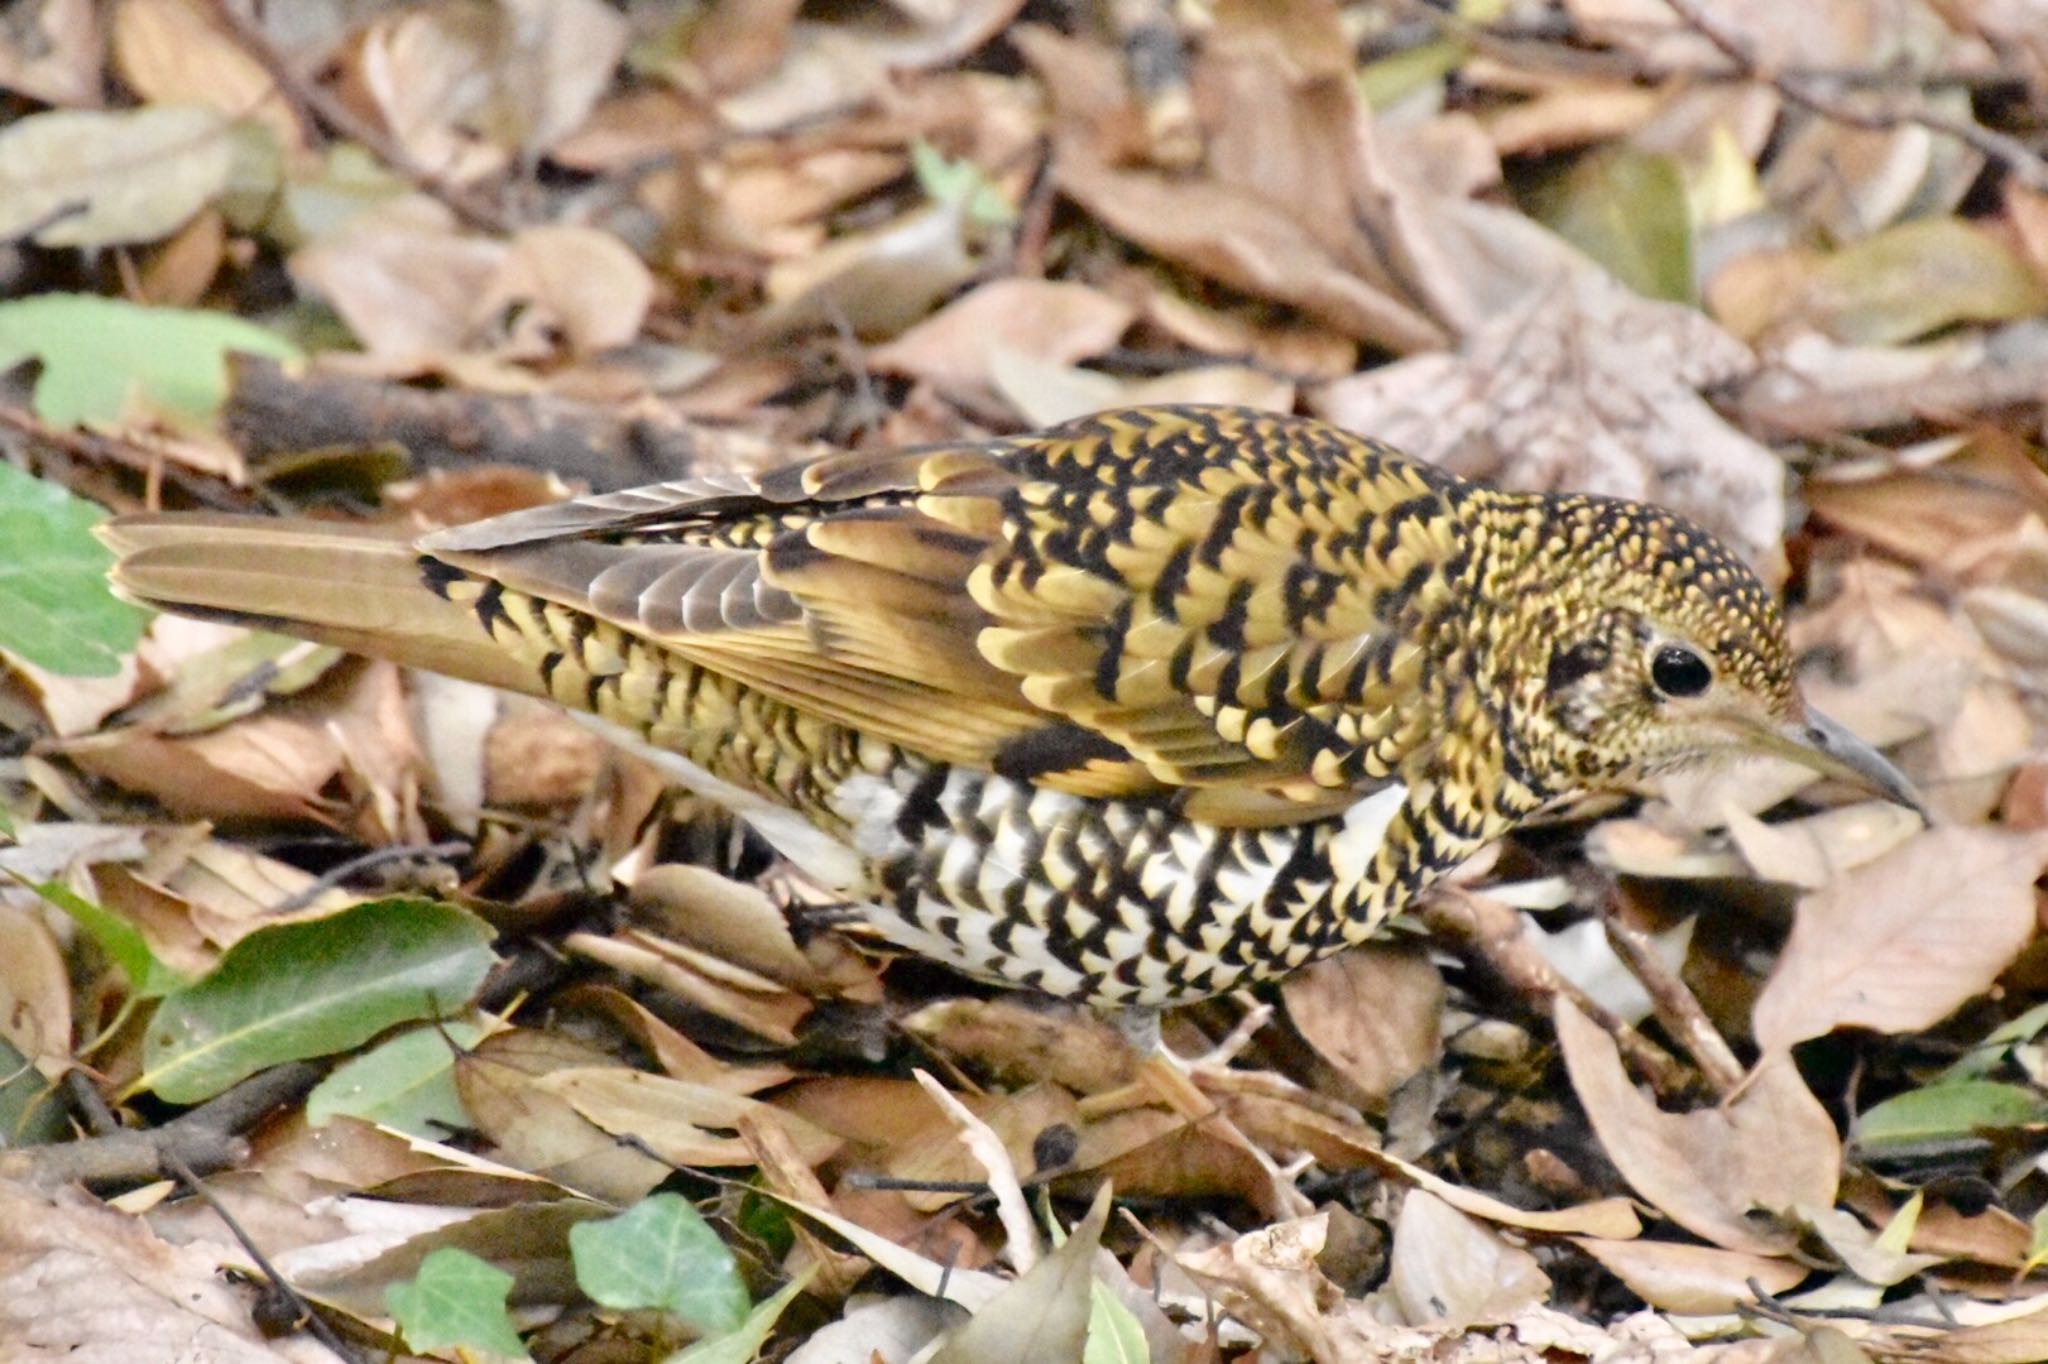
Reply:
x=1146, y=707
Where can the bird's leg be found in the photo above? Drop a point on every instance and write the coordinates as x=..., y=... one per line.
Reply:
x=1139, y=1026
x=1166, y=1076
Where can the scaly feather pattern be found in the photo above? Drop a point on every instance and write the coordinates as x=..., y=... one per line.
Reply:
x=1134, y=710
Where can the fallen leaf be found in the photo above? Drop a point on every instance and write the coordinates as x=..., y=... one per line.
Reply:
x=1692, y=1280
x=91, y=178
x=1374, y=1013
x=1583, y=387
x=1897, y=944
x=463, y=86
x=52, y=55
x=875, y=283
x=1814, y=851
x=1447, y=1267
x=587, y=283
x=1056, y=323
x=1771, y=1149
x=87, y=1283
x=174, y=52
x=1247, y=242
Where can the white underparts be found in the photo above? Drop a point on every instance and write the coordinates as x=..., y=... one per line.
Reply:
x=1365, y=831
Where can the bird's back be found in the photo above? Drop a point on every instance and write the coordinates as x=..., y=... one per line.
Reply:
x=1131, y=709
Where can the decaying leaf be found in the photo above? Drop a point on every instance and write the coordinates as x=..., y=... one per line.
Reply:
x=1585, y=386
x=1898, y=943
x=1725, y=1174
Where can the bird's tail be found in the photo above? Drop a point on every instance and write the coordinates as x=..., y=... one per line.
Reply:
x=358, y=587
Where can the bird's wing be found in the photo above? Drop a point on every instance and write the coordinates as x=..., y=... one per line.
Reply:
x=1133, y=603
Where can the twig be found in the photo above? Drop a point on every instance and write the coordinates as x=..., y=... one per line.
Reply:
x=2015, y=155
x=1676, y=1006
x=207, y=1138
x=302, y=1311
x=369, y=861
x=312, y=103
x=1494, y=931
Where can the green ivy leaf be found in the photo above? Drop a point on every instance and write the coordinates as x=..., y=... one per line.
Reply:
x=660, y=1254
x=456, y=1300
x=99, y=354
x=55, y=608
x=742, y=1344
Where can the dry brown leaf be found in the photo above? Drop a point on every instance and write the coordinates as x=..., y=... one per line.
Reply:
x=584, y=282
x=1374, y=1013
x=53, y=54
x=1017, y=1121
x=1609, y=1218
x=829, y=67
x=1692, y=1280
x=755, y=1003
x=83, y=1283
x=1899, y=943
x=404, y=278
x=1445, y=1267
x=35, y=992
x=464, y=86
x=675, y=1053
x=1017, y=1040
x=874, y=283
x=1269, y=1280
x=1054, y=323
x=1813, y=851
x=1247, y=242
x=681, y=1122
x=1711, y=1171
x=541, y=1132
x=1585, y=387
x=175, y=52
x=1827, y=34
x=738, y=923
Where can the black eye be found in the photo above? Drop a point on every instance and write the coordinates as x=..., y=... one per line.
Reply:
x=1680, y=672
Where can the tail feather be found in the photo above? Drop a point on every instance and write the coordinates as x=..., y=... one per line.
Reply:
x=357, y=587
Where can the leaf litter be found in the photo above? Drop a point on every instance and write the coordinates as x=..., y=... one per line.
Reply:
x=1781, y=268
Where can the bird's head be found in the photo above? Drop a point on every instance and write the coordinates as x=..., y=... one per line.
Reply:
x=1658, y=650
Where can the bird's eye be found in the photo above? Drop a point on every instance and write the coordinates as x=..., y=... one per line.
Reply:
x=1679, y=671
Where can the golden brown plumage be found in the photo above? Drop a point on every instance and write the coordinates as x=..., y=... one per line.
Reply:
x=1135, y=710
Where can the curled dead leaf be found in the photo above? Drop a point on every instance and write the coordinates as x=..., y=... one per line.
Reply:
x=1899, y=943
x=1714, y=1170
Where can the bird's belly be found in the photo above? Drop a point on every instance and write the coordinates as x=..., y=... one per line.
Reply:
x=1112, y=902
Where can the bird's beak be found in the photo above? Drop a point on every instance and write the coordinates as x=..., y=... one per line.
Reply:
x=1824, y=746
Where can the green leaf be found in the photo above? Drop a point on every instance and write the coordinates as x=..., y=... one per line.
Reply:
x=743, y=1343
x=456, y=1300
x=148, y=975
x=99, y=353
x=1997, y=1045
x=31, y=1108
x=1628, y=211
x=312, y=989
x=407, y=1083
x=55, y=608
x=961, y=183
x=660, y=1254
x=1393, y=78
x=1917, y=278
x=1946, y=1111
x=1115, y=1335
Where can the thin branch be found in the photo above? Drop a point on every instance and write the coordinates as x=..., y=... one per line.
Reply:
x=2004, y=149
x=314, y=104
